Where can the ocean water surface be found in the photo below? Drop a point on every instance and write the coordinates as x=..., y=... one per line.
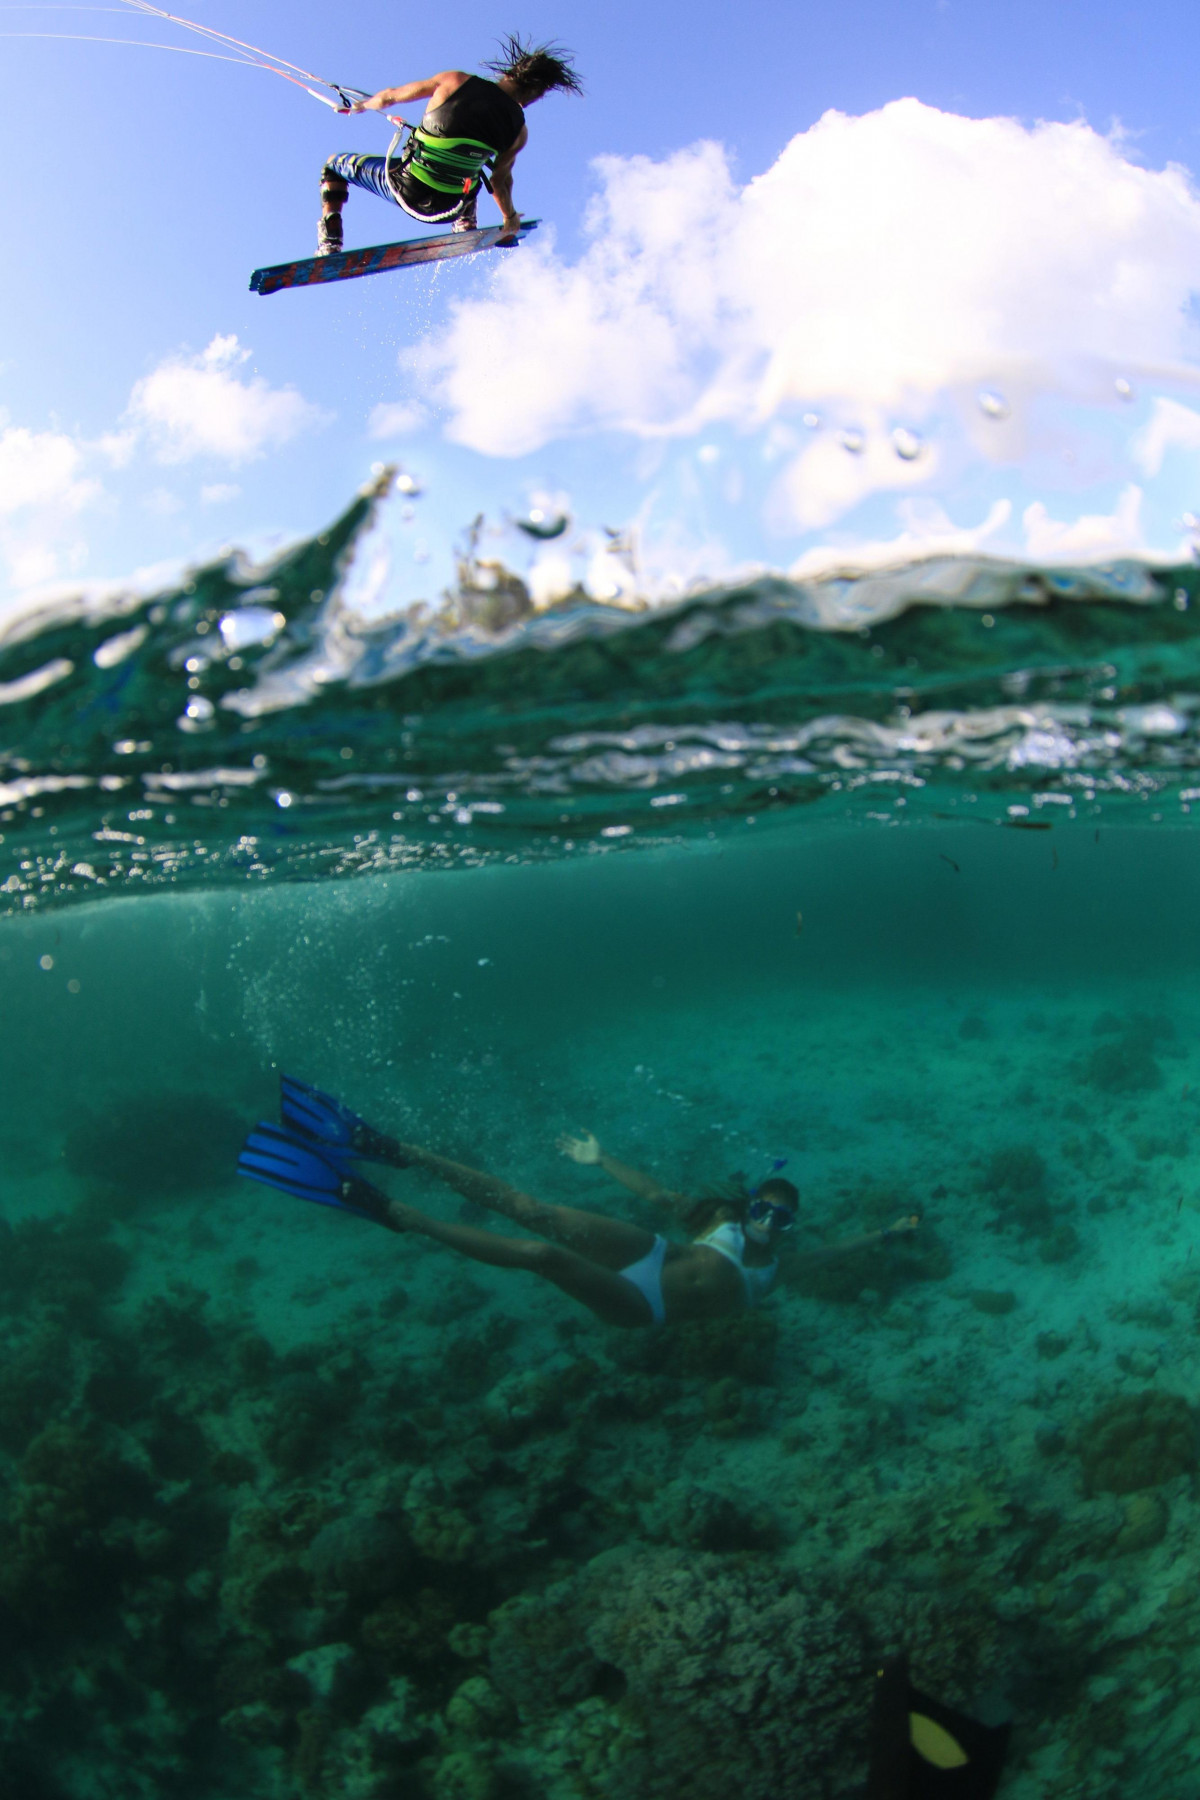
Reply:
x=894, y=877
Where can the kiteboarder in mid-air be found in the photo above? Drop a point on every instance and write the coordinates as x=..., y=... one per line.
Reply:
x=472, y=133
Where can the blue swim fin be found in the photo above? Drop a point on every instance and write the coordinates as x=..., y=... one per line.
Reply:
x=281, y=1160
x=337, y=1132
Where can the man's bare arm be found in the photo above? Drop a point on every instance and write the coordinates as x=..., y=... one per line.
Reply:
x=502, y=179
x=587, y=1150
x=434, y=88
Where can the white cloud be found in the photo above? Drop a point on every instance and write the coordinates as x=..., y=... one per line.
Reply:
x=396, y=418
x=1169, y=427
x=42, y=469
x=161, y=503
x=117, y=447
x=825, y=480
x=884, y=268
x=188, y=406
x=43, y=488
x=1118, y=533
x=198, y=406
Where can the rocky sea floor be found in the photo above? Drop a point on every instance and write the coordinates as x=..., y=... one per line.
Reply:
x=293, y=1507
x=290, y=1506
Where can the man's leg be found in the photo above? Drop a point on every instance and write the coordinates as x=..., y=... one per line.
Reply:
x=334, y=195
x=337, y=177
x=466, y=220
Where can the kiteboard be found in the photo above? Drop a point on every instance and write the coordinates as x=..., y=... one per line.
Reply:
x=347, y=265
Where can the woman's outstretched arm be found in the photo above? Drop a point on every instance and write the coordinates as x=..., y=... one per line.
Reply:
x=868, y=1241
x=587, y=1150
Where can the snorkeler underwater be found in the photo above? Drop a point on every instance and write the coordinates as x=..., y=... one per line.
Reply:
x=624, y=1274
x=600, y=1063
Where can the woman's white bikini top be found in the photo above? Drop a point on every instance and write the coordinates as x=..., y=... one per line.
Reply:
x=729, y=1241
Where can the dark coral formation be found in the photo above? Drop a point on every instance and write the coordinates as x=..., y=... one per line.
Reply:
x=258, y=1598
x=1015, y=1169
x=1014, y=1177
x=477, y=1576
x=156, y=1146
x=741, y=1346
x=734, y=1675
x=1137, y=1441
x=1126, y=1062
x=658, y=1673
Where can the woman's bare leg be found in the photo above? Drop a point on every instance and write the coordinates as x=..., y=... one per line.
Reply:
x=613, y=1243
x=609, y=1296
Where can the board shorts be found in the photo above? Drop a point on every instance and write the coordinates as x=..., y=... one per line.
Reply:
x=404, y=191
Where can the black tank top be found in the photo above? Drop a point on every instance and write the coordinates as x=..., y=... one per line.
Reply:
x=480, y=110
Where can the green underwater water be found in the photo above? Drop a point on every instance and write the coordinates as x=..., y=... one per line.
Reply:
x=292, y=1506
x=894, y=878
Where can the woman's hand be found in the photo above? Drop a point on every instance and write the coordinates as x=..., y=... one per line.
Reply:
x=909, y=1223
x=585, y=1149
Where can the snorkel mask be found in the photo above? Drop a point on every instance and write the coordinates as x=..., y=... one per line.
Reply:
x=768, y=1214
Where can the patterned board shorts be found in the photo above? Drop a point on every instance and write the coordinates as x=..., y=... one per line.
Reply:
x=371, y=173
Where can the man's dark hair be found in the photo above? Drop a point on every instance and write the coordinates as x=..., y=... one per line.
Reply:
x=534, y=69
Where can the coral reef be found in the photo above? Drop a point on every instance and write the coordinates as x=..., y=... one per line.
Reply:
x=995, y=1301
x=1014, y=1176
x=692, y=1516
x=67, y=1264
x=451, y=1552
x=1015, y=1169
x=1137, y=1441
x=742, y=1345
x=685, y=1672
x=1146, y=1517
x=736, y=1672
x=155, y=1146
x=1126, y=1062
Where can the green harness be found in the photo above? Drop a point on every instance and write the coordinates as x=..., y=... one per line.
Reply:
x=452, y=165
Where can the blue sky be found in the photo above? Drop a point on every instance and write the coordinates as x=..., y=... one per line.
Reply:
x=153, y=409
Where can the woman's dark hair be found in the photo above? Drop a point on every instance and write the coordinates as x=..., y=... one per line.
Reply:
x=736, y=1200
x=535, y=68
x=783, y=1193
x=701, y=1213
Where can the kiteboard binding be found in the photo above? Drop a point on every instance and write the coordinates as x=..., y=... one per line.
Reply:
x=347, y=265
